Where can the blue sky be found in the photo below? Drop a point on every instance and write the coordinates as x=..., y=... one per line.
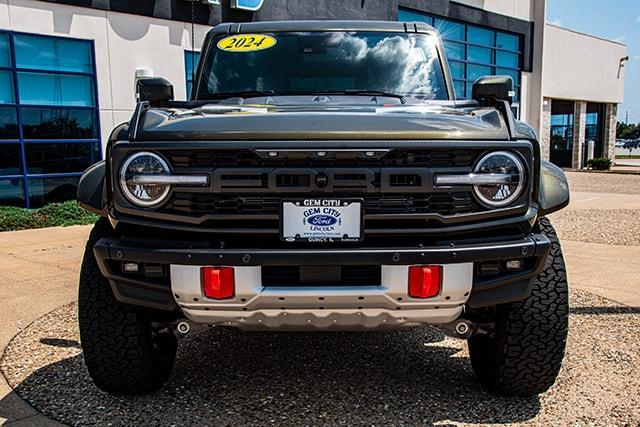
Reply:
x=612, y=19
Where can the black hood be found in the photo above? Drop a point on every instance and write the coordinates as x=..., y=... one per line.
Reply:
x=321, y=122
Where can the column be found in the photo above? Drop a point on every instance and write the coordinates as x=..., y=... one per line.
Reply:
x=579, y=133
x=610, y=126
x=545, y=129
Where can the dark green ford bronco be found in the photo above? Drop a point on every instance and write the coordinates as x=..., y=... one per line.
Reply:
x=323, y=176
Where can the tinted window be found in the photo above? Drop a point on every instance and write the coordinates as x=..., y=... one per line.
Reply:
x=48, y=53
x=5, y=52
x=190, y=64
x=449, y=30
x=401, y=63
x=60, y=157
x=49, y=190
x=10, y=159
x=482, y=50
x=6, y=88
x=8, y=123
x=59, y=123
x=12, y=192
x=55, y=89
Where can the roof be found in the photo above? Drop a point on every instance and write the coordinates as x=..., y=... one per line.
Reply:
x=324, y=25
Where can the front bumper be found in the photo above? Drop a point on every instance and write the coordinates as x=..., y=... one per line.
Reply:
x=382, y=304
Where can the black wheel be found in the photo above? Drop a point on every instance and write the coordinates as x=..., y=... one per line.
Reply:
x=522, y=356
x=123, y=354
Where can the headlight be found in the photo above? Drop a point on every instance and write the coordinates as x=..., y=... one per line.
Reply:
x=136, y=190
x=510, y=179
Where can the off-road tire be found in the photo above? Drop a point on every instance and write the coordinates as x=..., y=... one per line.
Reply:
x=523, y=355
x=122, y=353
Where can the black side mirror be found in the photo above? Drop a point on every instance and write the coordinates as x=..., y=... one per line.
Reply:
x=489, y=89
x=156, y=90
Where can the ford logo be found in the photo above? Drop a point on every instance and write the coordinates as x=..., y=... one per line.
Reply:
x=322, y=220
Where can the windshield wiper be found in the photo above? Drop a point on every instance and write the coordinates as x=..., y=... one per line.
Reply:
x=358, y=92
x=240, y=94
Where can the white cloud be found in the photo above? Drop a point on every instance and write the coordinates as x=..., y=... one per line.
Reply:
x=557, y=21
x=620, y=39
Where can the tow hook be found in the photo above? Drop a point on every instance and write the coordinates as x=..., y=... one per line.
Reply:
x=462, y=328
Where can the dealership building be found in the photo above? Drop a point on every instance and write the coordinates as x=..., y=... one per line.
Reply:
x=68, y=67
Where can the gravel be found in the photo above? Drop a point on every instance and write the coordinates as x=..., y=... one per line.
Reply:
x=608, y=226
x=228, y=377
x=602, y=223
x=604, y=182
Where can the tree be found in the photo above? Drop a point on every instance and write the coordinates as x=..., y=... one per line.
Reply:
x=627, y=131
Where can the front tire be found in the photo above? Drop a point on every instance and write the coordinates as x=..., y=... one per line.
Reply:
x=122, y=352
x=522, y=356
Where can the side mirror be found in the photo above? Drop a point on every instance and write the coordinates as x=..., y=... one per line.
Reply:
x=489, y=89
x=156, y=90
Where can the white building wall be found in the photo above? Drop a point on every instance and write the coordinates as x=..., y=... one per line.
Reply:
x=122, y=42
x=582, y=67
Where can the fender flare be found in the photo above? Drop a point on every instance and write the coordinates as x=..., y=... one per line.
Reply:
x=554, y=188
x=91, y=189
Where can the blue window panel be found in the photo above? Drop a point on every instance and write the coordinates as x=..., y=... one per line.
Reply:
x=411, y=16
x=50, y=190
x=449, y=30
x=5, y=51
x=515, y=74
x=55, y=54
x=454, y=50
x=457, y=69
x=59, y=123
x=474, y=72
x=190, y=63
x=481, y=55
x=55, y=89
x=6, y=88
x=12, y=192
x=10, y=159
x=507, y=41
x=55, y=157
x=8, y=123
x=481, y=36
x=506, y=59
x=459, y=87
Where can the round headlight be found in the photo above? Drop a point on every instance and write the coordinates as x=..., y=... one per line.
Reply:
x=509, y=168
x=138, y=165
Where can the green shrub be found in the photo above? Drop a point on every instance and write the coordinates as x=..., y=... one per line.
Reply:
x=51, y=215
x=599, y=164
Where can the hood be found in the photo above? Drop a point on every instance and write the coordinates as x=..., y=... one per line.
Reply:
x=312, y=122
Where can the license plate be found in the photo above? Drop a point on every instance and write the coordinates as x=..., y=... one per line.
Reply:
x=321, y=220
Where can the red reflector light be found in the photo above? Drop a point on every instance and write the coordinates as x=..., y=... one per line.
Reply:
x=425, y=281
x=218, y=282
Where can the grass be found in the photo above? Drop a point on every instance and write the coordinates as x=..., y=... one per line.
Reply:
x=627, y=156
x=51, y=215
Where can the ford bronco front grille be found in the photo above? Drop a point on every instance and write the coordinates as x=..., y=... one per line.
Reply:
x=246, y=186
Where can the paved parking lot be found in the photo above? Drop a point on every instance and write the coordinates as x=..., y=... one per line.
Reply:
x=368, y=377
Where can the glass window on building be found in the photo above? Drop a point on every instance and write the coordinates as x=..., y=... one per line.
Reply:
x=190, y=63
x=473, y=51
x=562, y=132
x=49, y=130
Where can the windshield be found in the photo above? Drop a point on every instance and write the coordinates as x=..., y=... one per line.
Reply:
x=291, y=63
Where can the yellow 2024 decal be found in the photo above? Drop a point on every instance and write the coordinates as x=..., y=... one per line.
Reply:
x=246, y=43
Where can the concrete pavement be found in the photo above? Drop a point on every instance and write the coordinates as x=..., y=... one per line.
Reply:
x=39, y=273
